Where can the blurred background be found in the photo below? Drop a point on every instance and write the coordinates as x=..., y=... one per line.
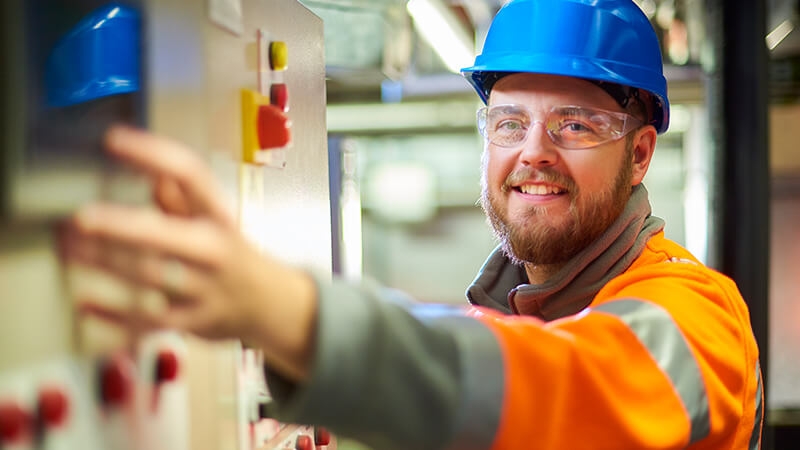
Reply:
x=401, y=121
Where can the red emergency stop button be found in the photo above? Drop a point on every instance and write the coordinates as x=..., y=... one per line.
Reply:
x=114, y=383
x=265, y=127
x=273, y=127
x=279, y=96
x=165, y=370
x=322, y=436
x=14, y=423
x=166, y=366
x=53, y=407
x=304, y=442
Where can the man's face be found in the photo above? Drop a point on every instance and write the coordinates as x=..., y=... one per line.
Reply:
x=547, y=203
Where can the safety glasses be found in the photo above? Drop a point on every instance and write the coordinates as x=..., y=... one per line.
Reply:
x=569, y=127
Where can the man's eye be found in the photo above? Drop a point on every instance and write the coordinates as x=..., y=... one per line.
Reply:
x=509, y=125
x=575, y=127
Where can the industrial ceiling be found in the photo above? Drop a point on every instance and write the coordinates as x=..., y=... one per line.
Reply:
x=373, y=47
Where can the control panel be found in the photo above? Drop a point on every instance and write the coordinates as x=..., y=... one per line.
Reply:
x=239, y=81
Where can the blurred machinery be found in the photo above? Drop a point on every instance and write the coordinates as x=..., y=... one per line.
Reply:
x=241, y=81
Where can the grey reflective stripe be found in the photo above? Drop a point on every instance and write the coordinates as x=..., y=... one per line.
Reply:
x=755, y=438
x=656, y=330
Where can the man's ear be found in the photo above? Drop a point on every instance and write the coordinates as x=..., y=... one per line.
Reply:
x=644, y=144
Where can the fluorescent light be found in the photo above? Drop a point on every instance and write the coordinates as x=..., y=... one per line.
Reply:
x=401, y=191
x=352, y=252
x=441, y=30
x=779, y=34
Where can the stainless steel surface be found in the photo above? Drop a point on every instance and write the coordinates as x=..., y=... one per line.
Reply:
x=194, y=70
x=285, y=211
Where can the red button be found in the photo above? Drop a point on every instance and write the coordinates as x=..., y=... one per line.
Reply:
x=166, y=366
x=322, y=436
x=115, y=383
x=53, y=406
x=274, y=127
x=14, y=422
x=279, y=96
x=304, y=442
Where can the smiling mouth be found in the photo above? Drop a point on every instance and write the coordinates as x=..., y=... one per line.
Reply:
x=540, y=189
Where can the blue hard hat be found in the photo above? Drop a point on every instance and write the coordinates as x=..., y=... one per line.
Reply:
x=98, y=57
x=606, y=41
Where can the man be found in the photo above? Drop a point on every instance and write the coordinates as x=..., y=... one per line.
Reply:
x=589, y=328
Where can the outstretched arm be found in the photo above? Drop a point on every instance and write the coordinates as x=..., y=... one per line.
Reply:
x=663, y=359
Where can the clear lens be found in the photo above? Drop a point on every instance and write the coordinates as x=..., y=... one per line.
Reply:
x=570, y=127
x=505, y=125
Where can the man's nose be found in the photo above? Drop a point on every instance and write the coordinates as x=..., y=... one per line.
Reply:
x=538, y=149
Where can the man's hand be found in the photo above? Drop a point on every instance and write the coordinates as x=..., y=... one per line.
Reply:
x=217, y=284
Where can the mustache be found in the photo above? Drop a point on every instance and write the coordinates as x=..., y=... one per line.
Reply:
x=542, y=175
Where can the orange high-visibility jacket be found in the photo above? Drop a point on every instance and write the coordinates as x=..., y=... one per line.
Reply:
x=664, y=357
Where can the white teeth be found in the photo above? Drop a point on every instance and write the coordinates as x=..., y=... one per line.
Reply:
x=538, y=189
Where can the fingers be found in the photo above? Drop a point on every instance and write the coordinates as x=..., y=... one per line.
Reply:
x=181, y=282
x=163, y=157
x=169, y=196
x=178, y=250
x=140, y=320
x=196, y=241
x=122, y=317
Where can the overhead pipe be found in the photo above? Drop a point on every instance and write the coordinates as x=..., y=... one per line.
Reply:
x=737, y=93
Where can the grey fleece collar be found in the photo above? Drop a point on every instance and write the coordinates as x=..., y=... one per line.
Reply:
x=504, y=286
